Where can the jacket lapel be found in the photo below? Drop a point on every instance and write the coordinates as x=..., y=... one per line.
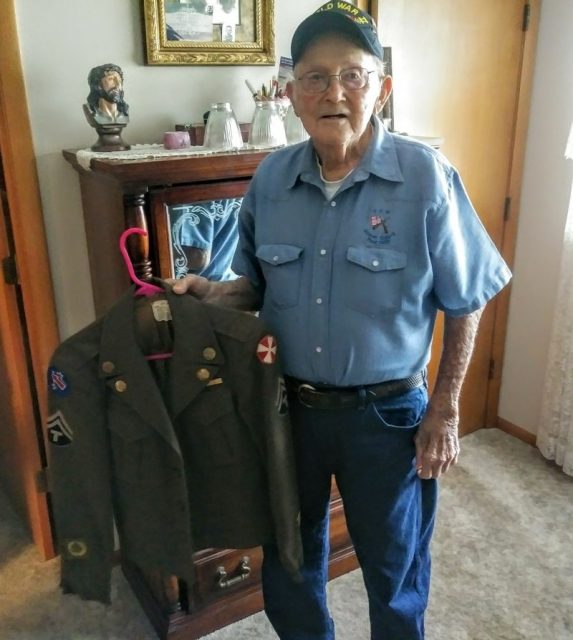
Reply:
x=127, y=372
x=197, y=356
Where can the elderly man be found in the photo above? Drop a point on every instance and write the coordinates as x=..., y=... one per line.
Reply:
x=349, y=244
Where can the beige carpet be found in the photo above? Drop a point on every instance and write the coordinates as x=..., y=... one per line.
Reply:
x=503, y=564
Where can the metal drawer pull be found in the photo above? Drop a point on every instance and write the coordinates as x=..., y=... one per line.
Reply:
x=244, y=571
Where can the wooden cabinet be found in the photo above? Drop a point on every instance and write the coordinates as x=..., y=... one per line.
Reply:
x=147, y=193
x=119, y=194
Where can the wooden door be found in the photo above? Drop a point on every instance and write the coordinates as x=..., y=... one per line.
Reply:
x=20, y=423
x=457, y=68
x=28, y=331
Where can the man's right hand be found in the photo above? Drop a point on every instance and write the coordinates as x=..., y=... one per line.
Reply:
x=197, y=286
x=236, y=294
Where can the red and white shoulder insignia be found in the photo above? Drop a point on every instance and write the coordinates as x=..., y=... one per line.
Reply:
x=267, y=349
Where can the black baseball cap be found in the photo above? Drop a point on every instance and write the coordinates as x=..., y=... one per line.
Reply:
x=337, y=17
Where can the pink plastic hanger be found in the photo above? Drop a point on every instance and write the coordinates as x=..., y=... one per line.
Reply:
x=145, y=288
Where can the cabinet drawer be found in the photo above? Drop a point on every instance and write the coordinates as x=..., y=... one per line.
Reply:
x=220, y=572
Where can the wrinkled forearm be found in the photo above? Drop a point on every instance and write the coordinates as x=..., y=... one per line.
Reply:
x=459, y=339
x=437, y=443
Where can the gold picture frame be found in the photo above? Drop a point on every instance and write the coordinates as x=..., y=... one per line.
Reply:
x=200, y=36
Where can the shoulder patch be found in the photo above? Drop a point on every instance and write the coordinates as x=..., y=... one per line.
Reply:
x=267, y=349
x=74, y=549
x=59, y=432
x=57, y=382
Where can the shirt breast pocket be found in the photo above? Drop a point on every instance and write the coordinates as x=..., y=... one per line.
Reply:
x=282, y=268
x=374, y=279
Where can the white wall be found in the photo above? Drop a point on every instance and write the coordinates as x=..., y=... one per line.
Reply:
x=546, y=191
x=60, y=42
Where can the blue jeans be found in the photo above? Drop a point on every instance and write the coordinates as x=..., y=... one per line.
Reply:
x=389, y=513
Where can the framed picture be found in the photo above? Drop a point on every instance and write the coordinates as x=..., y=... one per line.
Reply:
x=205, y=32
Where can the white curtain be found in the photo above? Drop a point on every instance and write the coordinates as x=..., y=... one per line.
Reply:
x=555, y=434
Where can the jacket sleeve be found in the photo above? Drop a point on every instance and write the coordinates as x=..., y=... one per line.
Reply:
x=79, y=473
x=266, y=399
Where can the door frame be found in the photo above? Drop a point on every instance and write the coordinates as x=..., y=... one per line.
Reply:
x=31, y=255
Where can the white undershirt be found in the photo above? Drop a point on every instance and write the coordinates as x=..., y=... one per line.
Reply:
x=331, y=186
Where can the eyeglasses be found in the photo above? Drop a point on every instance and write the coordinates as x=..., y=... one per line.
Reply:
x=351, y=79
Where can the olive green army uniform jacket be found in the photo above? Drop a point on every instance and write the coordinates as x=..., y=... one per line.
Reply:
x=185, y=453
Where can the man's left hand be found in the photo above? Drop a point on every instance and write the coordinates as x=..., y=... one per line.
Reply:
x=437, y=444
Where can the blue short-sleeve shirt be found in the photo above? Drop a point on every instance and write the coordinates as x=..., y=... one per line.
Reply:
x=210, y=228
x=351, y=286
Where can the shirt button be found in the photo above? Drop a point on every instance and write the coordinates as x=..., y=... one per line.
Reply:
x=375, y=263
x=333, y=203
x=120, y=386
x=318, y=349
x=203, y=374
x=275, y=258
x=323, y=252
x=319, y=301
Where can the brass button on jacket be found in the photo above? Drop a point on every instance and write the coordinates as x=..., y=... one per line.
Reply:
x=120, y=386
x=209, y=353
x=203, y=374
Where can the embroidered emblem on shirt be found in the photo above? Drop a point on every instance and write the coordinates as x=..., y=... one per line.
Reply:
x=57, y=382
x=59, y=431
x=267, y=350
x=281, y=402
x=378, y=231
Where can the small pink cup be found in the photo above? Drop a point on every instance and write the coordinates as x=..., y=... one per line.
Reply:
x=176, y=139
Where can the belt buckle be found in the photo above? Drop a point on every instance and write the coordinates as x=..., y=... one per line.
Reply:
x=308, y=387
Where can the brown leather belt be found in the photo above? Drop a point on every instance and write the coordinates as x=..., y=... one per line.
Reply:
x=324, y=397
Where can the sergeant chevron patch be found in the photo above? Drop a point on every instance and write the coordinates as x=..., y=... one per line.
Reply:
x=59, y=432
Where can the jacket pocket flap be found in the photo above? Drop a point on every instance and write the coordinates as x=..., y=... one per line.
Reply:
x=276, y=254
x=376, y=259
